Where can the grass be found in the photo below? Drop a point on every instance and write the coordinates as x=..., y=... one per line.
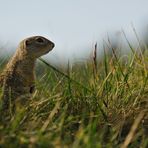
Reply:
x=93, y=104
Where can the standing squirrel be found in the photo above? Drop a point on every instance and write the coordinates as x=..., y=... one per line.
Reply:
x=18, y=77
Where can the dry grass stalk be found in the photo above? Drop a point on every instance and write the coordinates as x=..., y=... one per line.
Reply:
x=134, y=127
x=95, y=61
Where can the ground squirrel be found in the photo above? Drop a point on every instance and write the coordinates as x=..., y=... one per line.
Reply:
x=18, y=77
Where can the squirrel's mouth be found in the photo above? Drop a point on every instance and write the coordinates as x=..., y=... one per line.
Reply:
x=49, y=49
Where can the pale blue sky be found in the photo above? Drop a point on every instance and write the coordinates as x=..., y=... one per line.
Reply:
x=74, y=25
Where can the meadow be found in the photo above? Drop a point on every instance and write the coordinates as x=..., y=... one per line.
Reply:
x=95, y=103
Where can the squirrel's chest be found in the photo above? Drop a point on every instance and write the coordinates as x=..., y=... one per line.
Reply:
x=19, y=83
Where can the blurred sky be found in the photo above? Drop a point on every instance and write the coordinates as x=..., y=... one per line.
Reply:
x=74, y=25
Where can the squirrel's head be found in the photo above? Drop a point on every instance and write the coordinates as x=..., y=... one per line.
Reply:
x=36, y=46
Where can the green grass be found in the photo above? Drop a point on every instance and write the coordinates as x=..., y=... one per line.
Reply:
x=92, y=104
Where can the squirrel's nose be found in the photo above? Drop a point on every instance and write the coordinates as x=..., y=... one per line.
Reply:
x=53, y=45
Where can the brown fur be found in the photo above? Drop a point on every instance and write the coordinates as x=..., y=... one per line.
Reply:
x=18, y=78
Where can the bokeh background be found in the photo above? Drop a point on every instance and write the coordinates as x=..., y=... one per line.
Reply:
x=74, y=25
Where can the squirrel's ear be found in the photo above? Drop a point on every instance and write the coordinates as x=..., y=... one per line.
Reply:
x=27, y=42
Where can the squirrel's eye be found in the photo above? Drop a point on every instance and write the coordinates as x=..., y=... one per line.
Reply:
x=40, y=40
